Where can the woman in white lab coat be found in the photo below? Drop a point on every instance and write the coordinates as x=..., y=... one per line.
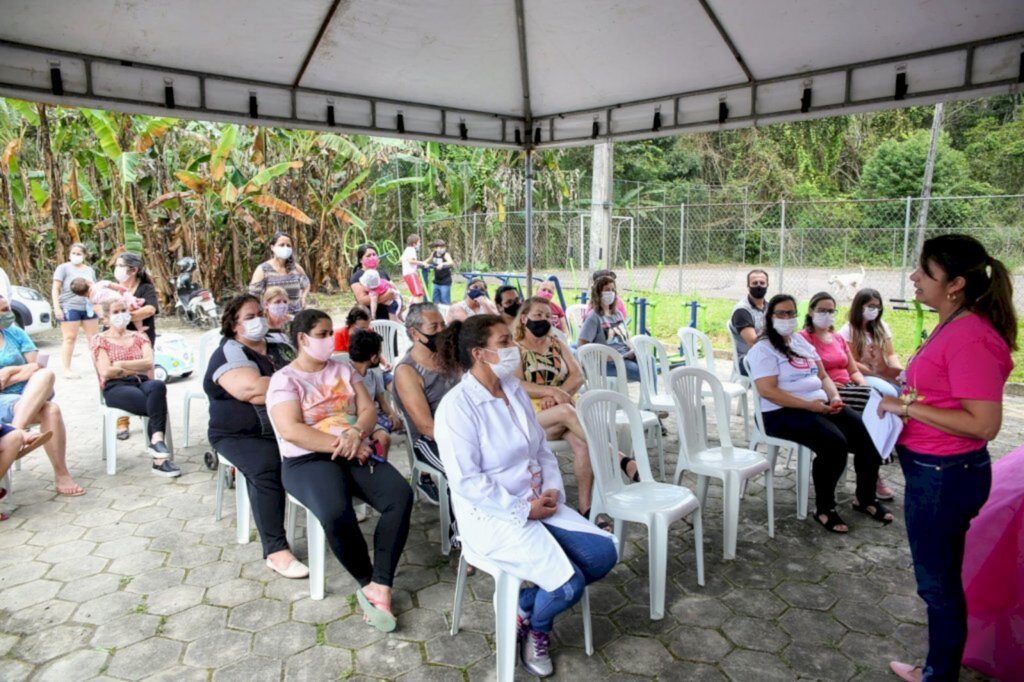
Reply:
x=506, y=487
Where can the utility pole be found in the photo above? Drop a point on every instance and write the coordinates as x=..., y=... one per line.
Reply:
x=601, y=206
x=926, y=190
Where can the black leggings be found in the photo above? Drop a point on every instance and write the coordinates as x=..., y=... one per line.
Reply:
x=830, y=437
x=146, y=399
x=260, y=462
x=326, y=487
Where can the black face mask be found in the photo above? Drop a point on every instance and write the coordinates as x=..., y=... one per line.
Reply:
x=431, y=342
x=758, y=293
x=538, y=327
x=512, y=308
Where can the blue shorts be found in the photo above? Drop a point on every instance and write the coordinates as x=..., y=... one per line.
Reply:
x=5, y=429
x=78, y=315
x=7, y=403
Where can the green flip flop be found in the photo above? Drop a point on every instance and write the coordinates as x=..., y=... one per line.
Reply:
x=376, y=617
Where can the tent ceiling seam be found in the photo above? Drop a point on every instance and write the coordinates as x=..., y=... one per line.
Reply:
x=316, y=42
x=524, y=72
x=727, y=40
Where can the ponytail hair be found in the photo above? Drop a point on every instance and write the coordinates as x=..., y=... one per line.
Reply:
x=988, y=287
x=457, y=341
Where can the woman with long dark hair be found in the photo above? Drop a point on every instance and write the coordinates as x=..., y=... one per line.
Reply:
x=606, y=325
x=506, y=486
x=281, y=270
x=870, y=342
x=801, y=403
x=952, y=405
x=368, y=259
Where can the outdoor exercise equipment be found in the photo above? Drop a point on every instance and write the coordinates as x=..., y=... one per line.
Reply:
x=903, y=304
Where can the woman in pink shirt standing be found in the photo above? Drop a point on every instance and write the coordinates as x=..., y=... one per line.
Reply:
x=952, y=406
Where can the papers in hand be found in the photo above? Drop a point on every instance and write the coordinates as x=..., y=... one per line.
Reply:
x=883, y=430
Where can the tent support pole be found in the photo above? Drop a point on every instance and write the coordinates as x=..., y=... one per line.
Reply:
x=529, y=223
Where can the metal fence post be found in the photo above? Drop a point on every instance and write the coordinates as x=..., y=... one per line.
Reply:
x=472, y=256
x=782, y=242
x=906, y=245
x=682, y=240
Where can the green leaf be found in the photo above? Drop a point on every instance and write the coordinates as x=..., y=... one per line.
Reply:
x=27, y=110
x=105, y=132
x=268, y=174
x=39, y=193
x=220, y=155
x=387, y=184
x=128, y=166
x=347, y=190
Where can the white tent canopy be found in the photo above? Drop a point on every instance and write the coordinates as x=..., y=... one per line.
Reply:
x=512, y=73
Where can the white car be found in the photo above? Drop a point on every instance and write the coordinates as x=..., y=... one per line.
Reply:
x=32, y=312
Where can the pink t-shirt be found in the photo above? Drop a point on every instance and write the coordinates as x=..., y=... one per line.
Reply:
x=327, y=398
x=967, y=360
x=833, y=356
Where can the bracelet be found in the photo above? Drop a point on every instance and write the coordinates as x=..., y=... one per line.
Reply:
x=906, y=412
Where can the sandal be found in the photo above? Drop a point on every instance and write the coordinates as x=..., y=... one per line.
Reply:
x=905, y=671
x=603, y=525
x=375, y=613
x=875, y=510
x=831, y=521
x=624, y=463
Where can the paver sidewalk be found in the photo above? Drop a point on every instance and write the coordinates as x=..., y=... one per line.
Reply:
x=136, y=580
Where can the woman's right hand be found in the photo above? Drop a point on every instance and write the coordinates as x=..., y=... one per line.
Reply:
x=346, y=446
x=58, y=312
x=541, y=508
x=559, y=396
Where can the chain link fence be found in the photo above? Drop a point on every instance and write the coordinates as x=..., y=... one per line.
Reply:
x=705, y=249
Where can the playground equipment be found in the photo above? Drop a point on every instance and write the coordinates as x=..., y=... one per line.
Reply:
x=903, y=304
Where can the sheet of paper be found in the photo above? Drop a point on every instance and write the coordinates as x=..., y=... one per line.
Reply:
x=883, y=430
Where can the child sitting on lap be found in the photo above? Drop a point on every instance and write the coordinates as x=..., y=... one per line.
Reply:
x=364, y=353
x=377, y=286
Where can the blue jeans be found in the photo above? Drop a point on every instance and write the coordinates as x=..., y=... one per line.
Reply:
x=592, y=557
x=943, y=494
x=442, y=294
x=632, y=370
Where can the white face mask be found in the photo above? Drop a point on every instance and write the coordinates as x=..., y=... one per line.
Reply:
x=508, y=362
x=607, y=297
x=822, y=320
x=76, y=259
x=255, y=329
x=120, y=320
x=871, y=314
x=785, y=327
x=278, y=309
x=283, y=252
x=121, y=273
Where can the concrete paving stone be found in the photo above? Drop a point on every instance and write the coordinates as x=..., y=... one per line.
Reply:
x=805, y=595
x=45, y=521
x=884, y=556
x=250, y=669
x=698, y=610
x=756, y=603
x=106, y=608
x=144, y=658
x=286, y=590
x=804, y=570
x=138, y=563
x=193, y=623
x=194, y=557
x=19, y=554
x=174, y=600
x=67, y=551
x=84, y=589
x=484, y=671
x=27, y=594
x=913, y=637
x=77, y=665
x=74, y=570
x=319, y=663
x=744, y=665
x=125, y=630
x=145, y=515
x=212, y=574
x=159, y=527
x=568, y=630
x=284, y=640
x=866, y=590
x=639, y=655
x=745, y=574
x=462, y=650
x=353, y=632
x=258, y=615
x=635, y=619
x=334, y=605
x=99, y=517
x=427, y=623
x=698, y=644
x=389, y=657
x=238, y=591
x=844, y=561
x=179, y=673
x=604, y=598
x=218, y=649
x=755, y=633
x=432, y=673
x=6, y=642
x=175, y=542
x=122, y=547
x=51, y=643
x=19, y=574
x=13, y=537
x=905, y=608
x=12, y=670
x=874, y=651
x=109, y=532
x=155, y=580
x=477, y=616
x=812, y=627
x=129, y=503
x=865, y=618
x=57, y=536
x=37, y=617
x=416, y=579
x=819, y=662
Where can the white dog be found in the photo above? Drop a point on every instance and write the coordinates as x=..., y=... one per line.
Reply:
x=849, y=282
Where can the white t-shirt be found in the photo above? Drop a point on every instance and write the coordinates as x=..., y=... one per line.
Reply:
x=847, y=334
x=799, y=377
x=408, y=256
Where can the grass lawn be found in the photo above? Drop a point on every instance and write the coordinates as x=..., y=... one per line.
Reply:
x=672, y=311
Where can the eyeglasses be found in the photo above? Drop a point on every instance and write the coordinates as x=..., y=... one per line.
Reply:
x=784, y=314
x=873, y=307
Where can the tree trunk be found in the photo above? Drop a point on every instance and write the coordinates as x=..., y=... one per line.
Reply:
x=926, y=190
x=61, y=238
x=19, y=254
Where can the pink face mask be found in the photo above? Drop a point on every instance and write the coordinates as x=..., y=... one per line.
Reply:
x=319, y=349
x=370, y=262
x=545, y=294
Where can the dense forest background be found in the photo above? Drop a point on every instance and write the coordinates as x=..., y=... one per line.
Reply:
x=171, y=188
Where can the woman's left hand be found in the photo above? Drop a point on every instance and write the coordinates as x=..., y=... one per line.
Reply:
x=346, y=446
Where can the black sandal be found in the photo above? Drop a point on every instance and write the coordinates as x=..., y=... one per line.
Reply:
x=603, y=525
x=624, y=464
x=833, y=519
x=879, y=512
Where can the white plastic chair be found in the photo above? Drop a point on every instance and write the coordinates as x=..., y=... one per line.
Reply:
x=110, y=417
x=695, y=344
x=506, y=601
x=242, y=509
x=207, y=345
x=574, y=315
x=803, y=454
x=732, y=465
x=396, y=339
x=654, y=504
x=417, y=467
x=594, y=359
x=653, y=361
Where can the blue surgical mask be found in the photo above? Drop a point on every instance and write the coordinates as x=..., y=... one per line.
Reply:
x=6, y=320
